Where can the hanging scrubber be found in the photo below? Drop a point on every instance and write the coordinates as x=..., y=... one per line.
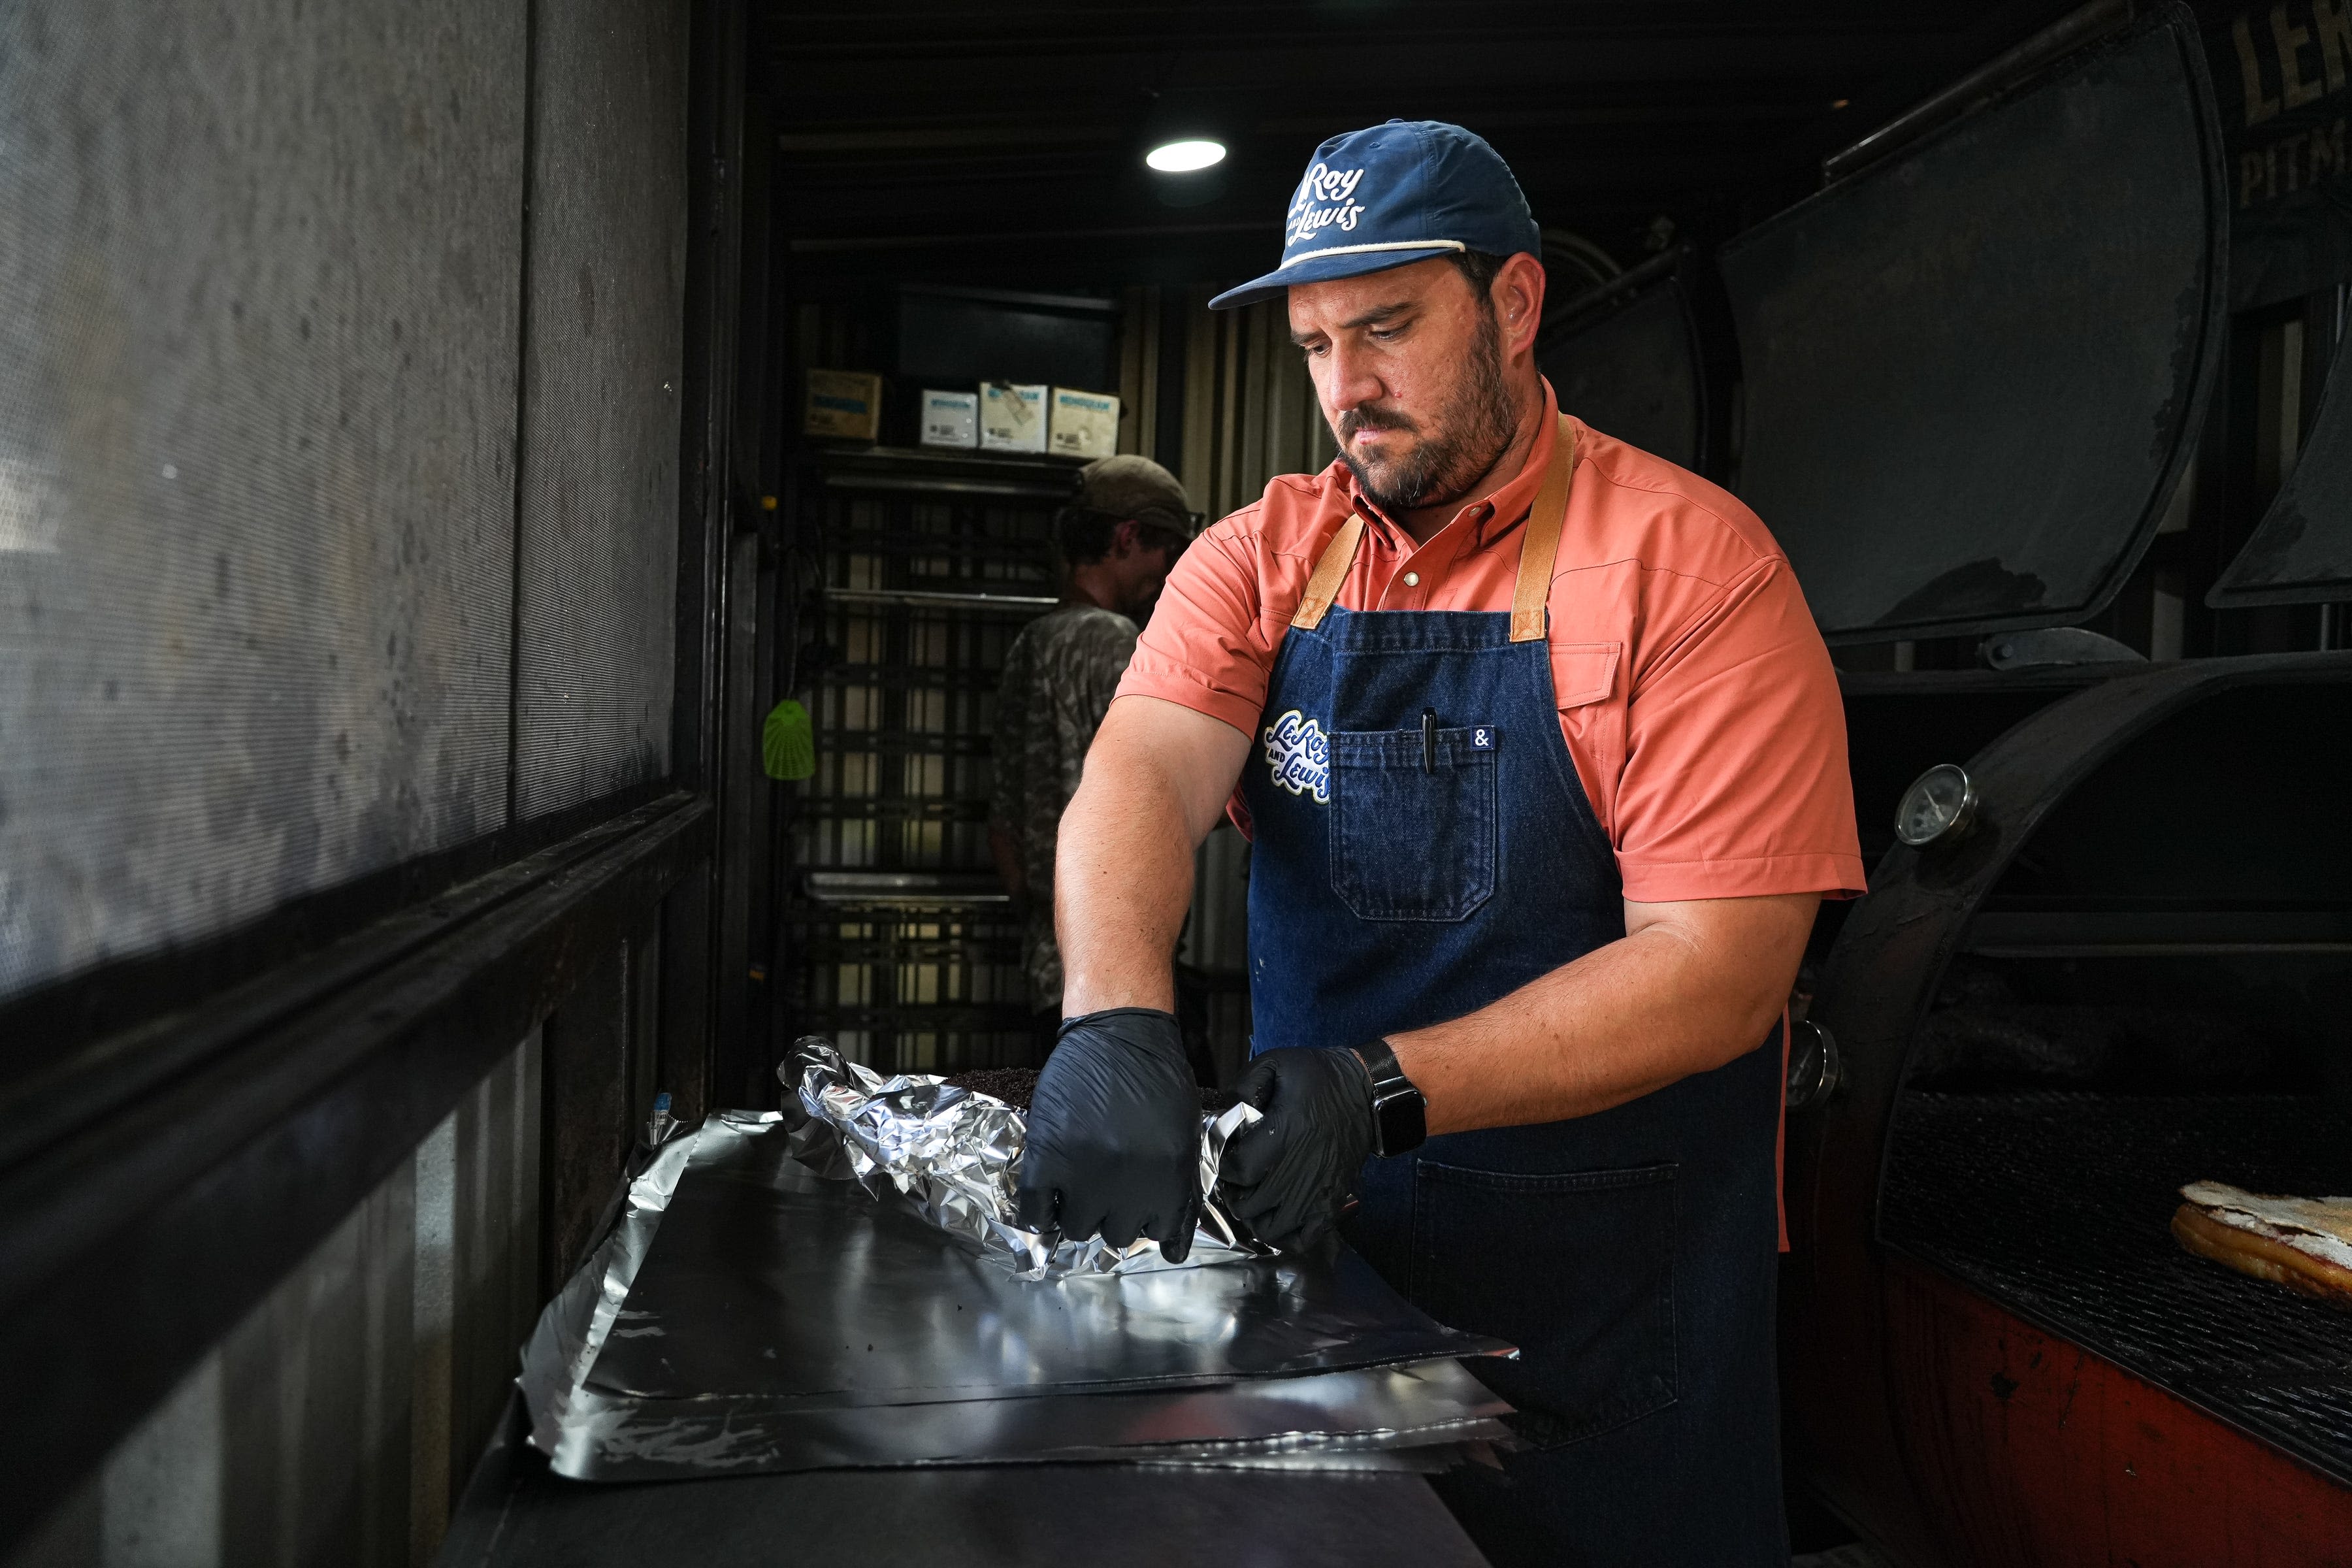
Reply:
x=787, y=744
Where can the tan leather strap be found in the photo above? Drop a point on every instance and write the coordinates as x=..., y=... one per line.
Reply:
x=1330, y=571
x=1539, y=546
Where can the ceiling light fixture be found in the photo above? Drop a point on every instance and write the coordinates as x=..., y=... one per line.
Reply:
x=1185, y=157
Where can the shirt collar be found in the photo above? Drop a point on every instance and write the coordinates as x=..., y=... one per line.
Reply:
x=1488, y=519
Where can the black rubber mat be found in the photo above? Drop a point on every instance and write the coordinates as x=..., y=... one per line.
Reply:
x=2057, y=1205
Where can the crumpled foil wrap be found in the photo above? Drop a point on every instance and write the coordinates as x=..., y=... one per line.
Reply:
x=955, y=1156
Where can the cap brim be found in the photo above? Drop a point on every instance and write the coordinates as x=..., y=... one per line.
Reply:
x=1322, y=269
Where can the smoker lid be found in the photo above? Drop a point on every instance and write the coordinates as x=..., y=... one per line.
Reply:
x=1973, y=370
x=1625, y=359
x=2301, y=552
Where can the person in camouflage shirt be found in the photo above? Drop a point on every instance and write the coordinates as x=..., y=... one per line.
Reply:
x=1118, y=537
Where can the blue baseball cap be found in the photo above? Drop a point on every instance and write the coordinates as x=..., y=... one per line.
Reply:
x=1389, y=196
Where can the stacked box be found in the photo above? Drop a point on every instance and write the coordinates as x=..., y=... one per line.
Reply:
x=1083, y=424
x=951, y=419
x=845, y=404
x=1012, y=418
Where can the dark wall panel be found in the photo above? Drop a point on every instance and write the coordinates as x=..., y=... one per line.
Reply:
x=1634, y=373
x=1972, y=371
x=598, y=521
x=953, y=338
x=257, y=349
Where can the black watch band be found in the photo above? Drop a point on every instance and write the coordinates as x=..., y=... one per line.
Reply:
x=1400, y=1112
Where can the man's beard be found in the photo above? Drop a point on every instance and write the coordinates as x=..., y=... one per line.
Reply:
x=1474, y=431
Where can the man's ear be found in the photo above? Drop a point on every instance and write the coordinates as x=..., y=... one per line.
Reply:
x=1518, y=295
x=1126, y=539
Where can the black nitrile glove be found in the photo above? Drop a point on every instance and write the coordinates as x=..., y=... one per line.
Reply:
x=1115, y=1135
x=1289, y=1174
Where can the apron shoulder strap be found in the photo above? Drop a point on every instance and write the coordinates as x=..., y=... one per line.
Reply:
x=1538, y=548
x=1330, y=571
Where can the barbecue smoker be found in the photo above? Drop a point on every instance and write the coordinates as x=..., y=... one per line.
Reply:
x=2115, y=955
x=1630, y=357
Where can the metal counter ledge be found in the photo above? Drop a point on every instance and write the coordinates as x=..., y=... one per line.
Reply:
x=515, y=1514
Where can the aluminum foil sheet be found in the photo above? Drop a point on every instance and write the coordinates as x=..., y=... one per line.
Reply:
x=746, y=1313
x=955, y=1155
x=573, y=1327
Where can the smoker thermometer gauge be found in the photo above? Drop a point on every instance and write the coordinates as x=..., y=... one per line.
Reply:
x=1940, y=807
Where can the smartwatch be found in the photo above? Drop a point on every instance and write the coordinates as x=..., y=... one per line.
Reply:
x=1400, y=1112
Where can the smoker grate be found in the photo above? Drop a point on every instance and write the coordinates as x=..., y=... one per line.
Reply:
x=2057, y=1205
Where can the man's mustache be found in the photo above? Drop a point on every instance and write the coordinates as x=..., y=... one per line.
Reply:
x=1369, y=418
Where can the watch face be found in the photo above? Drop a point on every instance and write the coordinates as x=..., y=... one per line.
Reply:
x=1402, y=1117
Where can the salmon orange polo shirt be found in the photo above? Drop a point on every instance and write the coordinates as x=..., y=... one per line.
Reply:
x=1696, y=698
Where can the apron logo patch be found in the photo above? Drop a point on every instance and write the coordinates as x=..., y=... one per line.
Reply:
x=1482, y=739
x=1299, y=753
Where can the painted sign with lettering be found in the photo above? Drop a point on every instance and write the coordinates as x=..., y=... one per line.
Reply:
x=2281, y=74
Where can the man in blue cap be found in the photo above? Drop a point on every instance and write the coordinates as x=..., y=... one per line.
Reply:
x=1544, y=764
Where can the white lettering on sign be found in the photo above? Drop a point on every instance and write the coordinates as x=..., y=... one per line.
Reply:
x=1327, y=197
x=1300, y=754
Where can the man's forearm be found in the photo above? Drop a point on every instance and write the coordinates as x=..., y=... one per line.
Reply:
x=1122, y=883
x=1155, y=779
x=1681, y=994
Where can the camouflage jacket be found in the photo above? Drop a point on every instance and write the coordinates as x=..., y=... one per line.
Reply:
x=1059, y=676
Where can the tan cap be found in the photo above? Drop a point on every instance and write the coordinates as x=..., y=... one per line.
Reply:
x=1127, y=487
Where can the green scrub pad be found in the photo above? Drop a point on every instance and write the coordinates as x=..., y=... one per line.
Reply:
x=787, y=745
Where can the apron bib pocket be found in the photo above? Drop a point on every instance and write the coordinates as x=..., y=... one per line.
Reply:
x=1576, y=1269
x=1412, y=821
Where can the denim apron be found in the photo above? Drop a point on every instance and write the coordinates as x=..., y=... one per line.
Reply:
x=1423, y=847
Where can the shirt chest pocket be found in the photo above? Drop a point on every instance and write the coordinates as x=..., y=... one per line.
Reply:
x=1413, y=822
x=1593, y=717
x=1583, y=672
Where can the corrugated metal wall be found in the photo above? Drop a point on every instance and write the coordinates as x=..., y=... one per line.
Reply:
x=337, y=1423
x=257, y=278
x=1247, y=410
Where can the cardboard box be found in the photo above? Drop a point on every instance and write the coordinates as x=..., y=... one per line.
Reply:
x=1012, y=418
x=950, y=419
x=843, y=404
x=1083, y=424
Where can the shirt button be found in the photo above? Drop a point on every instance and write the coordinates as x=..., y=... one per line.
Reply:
x=1412, y=579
